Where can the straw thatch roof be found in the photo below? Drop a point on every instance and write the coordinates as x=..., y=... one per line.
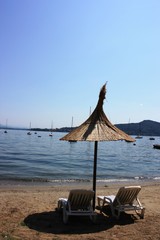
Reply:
x=97, y=127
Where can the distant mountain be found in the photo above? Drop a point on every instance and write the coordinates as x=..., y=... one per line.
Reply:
x=12, y=128
x=144, y=128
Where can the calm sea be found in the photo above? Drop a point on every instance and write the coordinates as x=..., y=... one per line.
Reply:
x=31, y=158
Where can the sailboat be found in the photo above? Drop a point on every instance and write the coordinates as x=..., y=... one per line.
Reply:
x=29, y=133
x=6, y=126
x=51, y=134
x=139, y=135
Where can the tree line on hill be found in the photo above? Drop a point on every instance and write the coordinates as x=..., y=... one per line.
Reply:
x=144, y=128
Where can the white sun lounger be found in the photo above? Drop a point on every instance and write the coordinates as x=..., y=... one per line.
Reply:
x=79, y=203
x=125, y=200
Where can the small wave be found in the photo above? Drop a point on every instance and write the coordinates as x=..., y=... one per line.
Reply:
x=156, y=178
x=69, y=180
x=25, y=179
x=114, y=180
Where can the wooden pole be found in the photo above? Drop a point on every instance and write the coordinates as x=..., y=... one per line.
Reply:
x=95, y=173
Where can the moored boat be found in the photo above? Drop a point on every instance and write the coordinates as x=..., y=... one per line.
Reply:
x=138, y=137
x=29, y=133
x=51, y=134
x=157, y=146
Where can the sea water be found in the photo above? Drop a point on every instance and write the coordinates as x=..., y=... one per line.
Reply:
x=41, y=158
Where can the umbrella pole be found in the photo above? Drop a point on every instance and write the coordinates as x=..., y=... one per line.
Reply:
x=95, y=173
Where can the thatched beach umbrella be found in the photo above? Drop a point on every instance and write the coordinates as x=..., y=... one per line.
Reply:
x=97, y=128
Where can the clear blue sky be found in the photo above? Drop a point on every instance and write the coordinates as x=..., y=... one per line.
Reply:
x=55, y=55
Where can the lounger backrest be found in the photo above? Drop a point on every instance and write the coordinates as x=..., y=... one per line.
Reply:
x=126, y=195
x=80, y=199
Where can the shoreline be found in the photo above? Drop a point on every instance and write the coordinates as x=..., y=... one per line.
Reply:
x=71, y=183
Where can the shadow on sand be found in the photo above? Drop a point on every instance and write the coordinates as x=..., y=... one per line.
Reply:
x=51, y=222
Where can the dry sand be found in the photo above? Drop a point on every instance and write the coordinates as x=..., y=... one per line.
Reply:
x=29, y=212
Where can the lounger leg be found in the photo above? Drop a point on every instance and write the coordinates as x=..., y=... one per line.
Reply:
x=65, y=215
x=141, y=214
x=114, y=214
x=93, y=218
x=59, y=204
x=99, y=202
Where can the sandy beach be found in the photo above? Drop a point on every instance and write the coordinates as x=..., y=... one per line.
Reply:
x=29, y=212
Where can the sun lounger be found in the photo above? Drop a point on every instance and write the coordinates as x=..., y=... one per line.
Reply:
x=79, y=203
x=125, y=200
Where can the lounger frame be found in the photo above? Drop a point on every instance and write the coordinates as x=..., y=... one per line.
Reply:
x=125, y=200
x=79, y=203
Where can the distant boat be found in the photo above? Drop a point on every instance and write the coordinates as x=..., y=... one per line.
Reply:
x=139, y=135
x=157, y=146
x=151, y=138
x=29, y=133
x=51, y=134
x=6, y=126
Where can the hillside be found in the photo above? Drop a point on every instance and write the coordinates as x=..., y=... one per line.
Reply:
x=144, y=128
